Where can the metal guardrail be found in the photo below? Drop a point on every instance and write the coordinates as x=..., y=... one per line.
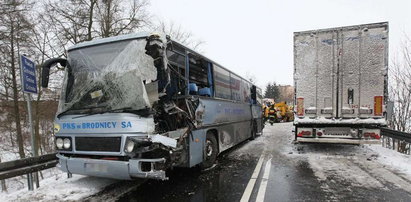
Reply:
x=397, y=140
x=27, y=165
x=396, y=134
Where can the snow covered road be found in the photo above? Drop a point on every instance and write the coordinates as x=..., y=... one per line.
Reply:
x=335, y=172
x=286, y=172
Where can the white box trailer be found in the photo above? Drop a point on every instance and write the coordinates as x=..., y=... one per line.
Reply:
x=340, y=77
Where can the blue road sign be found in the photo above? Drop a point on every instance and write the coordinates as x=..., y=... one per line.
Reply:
x=28, y=75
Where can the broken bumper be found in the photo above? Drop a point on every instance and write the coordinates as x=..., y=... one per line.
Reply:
x=123, y=170
x=338, y=141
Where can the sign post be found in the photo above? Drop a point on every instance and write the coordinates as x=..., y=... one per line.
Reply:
x=29, y=86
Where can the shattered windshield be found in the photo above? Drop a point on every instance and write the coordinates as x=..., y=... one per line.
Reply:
x=111, y=76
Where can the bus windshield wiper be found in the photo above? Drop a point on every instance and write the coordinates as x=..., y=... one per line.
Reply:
x=70, y=109
x=104, y=111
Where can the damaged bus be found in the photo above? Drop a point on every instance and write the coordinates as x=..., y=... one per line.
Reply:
x=133, y=106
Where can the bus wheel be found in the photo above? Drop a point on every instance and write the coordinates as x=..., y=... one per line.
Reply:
x=210, y=151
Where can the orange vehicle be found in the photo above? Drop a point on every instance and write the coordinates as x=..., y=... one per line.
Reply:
x=284, y=113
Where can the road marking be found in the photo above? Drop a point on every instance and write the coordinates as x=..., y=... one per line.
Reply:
x=264, y=182
x=249, y=189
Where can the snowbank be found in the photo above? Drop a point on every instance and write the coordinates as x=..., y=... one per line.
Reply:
x=60, y=188
x=392, y=158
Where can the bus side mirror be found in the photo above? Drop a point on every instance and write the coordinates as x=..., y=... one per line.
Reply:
x=45, y=71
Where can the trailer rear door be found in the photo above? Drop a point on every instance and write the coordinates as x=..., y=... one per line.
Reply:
x=363, y=69
x=341, y=72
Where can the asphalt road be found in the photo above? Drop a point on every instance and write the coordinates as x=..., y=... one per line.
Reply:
x=272, y=168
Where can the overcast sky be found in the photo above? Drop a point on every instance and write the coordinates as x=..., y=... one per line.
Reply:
x=256, y=37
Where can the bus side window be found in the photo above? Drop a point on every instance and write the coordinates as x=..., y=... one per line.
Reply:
x=245, y=91
x=222, y=83
x=176, y=61
x=235, y=84
x=199, y=70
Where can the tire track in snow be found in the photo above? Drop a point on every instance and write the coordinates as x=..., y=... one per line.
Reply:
x=387, y=176
x=327, y=167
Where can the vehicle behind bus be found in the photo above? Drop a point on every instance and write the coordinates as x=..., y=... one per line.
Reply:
x=340, y=77
x=133, y=106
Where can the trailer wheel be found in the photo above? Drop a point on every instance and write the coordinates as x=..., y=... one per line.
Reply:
x=210, y=151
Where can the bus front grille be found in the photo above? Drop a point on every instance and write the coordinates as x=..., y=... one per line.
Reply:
x=98, y=144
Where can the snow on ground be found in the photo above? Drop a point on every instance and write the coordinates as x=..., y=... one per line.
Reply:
x=54, y=187
x=244, y=150
x=264, y=142
x=392, y=158
x=325, y=167
x=371, y=166
x=8, y=155
x=60, y=188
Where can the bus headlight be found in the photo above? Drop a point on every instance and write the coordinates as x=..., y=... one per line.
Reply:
x=129, y=146
x=59, y=143
x=66, y=143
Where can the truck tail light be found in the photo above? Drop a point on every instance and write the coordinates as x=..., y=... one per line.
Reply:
x=372, y=135
x=378, y=100
x=304, y=133
x=377, y=136
x=300, y=106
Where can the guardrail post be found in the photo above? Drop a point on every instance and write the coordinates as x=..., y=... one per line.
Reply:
x=3, y=184
x=393, y=144
x=396, y=140
x=36, y=178
x=30, y=181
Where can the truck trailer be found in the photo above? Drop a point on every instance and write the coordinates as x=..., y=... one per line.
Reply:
x=340, y=78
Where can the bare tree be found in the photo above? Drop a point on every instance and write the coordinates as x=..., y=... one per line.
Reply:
x=177, y=33
x=251, y=77
x=69, y=22
x=83, y=20
x=115, y=17
x=400, y=88
x=43, y=48
x=15, y=30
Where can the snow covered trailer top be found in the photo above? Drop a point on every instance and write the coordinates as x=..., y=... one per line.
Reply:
x=340, y=77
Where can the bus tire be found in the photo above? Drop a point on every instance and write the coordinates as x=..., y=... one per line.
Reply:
x=210, y=151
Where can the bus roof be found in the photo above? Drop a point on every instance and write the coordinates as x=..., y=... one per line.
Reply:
x=109, y=40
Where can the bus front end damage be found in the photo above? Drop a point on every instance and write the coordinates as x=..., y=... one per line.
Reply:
x=117, y=116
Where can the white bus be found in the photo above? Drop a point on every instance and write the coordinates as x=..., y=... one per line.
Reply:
x=133, y=106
